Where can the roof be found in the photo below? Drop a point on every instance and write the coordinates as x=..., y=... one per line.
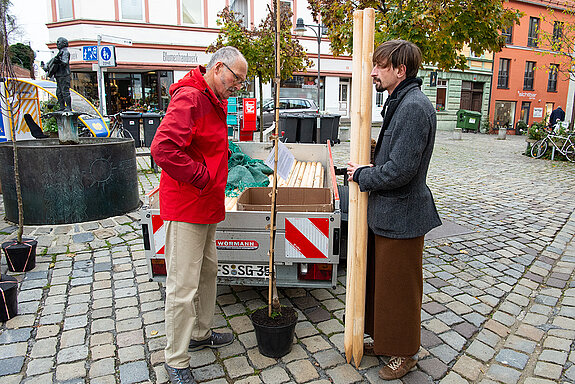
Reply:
x=557, y=4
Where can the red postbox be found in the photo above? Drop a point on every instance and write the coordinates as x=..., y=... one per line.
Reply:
x=249, y=117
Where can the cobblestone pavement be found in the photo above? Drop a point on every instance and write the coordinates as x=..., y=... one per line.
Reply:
x=499, y=296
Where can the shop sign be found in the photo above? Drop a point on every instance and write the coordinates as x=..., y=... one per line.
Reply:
x=537, y=112
x=527, y=94
x=179, y=57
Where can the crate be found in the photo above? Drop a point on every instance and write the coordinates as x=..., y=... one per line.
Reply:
x=289, y=199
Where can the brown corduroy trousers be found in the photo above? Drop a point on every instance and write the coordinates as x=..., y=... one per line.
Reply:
x=393, y=294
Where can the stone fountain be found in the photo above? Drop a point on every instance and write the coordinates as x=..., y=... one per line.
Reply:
x=70, y=179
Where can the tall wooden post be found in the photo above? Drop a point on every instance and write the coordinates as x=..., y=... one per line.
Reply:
x=360, y=149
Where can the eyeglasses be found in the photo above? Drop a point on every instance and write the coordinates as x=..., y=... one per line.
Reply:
x=243, y=83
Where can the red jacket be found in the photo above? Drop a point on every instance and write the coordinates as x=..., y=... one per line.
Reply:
x=191, y=147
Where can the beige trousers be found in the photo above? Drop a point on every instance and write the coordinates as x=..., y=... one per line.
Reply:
x=192, y=267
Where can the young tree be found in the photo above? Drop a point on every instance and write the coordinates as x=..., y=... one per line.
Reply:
x=10, y=100
x=257, y=46
x=440, y=28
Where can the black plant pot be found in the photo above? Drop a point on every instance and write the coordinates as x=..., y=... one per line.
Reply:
x=20, y=257
x=8, y=297
x=274, y=335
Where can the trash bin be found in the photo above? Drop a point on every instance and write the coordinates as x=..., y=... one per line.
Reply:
x=131, y=125
x=329, y=128
x=307, y=128
x=288, y=124
x=151, y=124
x=468, y=120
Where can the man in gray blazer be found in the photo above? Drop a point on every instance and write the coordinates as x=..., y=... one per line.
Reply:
x=401, y=209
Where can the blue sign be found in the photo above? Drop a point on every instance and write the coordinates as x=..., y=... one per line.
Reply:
x=106, y=53
x=90, y=53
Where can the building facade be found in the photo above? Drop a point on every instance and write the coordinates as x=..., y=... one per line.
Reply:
x=528, y=83
x=168, y=38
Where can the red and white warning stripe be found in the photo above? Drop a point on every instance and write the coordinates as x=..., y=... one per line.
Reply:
x=307, y=237
x=159, y=234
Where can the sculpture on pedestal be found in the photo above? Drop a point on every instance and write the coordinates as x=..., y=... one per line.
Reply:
x=59, y=67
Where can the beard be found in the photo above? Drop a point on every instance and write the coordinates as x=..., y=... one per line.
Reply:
x=378, y=86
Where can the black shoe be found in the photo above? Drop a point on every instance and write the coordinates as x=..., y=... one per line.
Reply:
x=179, y=376
x=216, y=340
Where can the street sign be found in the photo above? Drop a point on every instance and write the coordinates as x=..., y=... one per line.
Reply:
x=90, y=53
x=116, y=40
x=106, y=56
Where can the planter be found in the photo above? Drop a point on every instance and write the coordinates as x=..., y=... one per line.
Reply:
x=502, y=132
x=274, y=335
x=20, y=257
x=8, y=297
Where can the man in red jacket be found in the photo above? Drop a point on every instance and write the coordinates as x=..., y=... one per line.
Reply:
x=191, y=147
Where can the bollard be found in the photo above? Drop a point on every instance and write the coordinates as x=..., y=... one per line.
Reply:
x=501, y=133
x=457, y=134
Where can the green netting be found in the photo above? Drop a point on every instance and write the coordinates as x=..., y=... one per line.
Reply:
x=245, y=172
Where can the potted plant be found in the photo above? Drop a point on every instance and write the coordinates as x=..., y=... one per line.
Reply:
x=20, y=253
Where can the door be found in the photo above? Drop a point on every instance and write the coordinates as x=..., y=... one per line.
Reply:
x=525, y=107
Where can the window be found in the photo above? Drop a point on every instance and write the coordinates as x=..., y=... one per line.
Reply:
x=65, y=9
x=379, y=100
x=441, y=95
x=132, y=10
x=533, y=32
x=508, y=34
x=343, y=95
x=192, y=12
x=552, y=80
x=241, y=8
x=503, y=75
x=286, y=4
x=528, y=78
x=557, y=35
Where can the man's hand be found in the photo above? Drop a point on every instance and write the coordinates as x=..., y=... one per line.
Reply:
x=352, y=167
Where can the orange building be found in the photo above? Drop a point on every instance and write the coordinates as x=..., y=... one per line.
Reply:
x=527, y=79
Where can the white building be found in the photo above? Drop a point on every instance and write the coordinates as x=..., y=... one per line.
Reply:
x=169, y=37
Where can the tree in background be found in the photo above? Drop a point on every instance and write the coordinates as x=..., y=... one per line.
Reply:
x=440, y=28
x=22, y=55
x=257, y=46
x=559, y=43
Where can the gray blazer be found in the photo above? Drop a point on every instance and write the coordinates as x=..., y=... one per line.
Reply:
x=400, y=203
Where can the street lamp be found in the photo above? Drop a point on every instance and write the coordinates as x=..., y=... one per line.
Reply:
x=319, y=31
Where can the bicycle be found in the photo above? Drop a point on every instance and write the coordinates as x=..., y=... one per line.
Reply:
x=117, y=128
x=567, y=149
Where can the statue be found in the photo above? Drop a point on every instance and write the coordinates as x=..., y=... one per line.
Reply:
x=59, y=67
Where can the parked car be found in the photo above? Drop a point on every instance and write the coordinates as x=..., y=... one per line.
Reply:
x=287, y=104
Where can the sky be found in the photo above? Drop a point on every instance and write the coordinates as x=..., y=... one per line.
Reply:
x=31, y=17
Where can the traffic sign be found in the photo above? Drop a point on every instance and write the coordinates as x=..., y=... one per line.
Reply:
x=106, y=56
x=90, y=53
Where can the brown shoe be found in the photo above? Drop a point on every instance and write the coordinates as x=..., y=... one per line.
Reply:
x=397, y=367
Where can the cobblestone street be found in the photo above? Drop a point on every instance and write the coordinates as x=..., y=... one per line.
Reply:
x=499, y=291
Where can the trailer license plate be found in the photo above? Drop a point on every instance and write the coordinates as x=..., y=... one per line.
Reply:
x=243, y=270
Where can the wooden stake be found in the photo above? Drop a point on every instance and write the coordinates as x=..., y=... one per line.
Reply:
x=364, y=158
x=353, y=187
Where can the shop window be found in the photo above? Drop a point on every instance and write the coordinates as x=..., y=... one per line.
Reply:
x=441, y=95
x=529, y=74
x=504, y=114
x=241, y=8
x=508, y=34
x=552, y=80
x=533, y=34
x=65, y=9
x=192, y=12
x=132, y=10
x=503, y=75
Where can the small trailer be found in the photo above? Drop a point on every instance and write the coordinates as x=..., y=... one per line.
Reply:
x=308, y=242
